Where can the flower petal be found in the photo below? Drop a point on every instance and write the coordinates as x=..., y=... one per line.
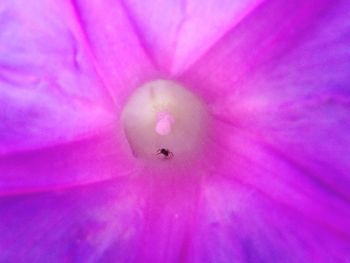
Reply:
x=178, y=32
x=80, y=162
x=46, y=78
x=294, y=102
x=129, y=220
x=241, y=224
x=120, y=56
x=59, y=65
x=95, y=223
x=280, y=99
x=269, y=32
x=299, y=106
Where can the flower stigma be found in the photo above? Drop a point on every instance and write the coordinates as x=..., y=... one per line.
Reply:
x=164, y=123
x=162, y=120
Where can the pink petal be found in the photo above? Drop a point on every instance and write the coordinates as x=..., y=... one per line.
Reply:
x=46, y=78
x=296, y=101
x=269, y=32
x=130, y=219
x=120, y=56
x=96, y=223
x=266, y=197
x=167, y=220
x=263, y=169
x=59, y=67
x=241, y=224
x=60, y=166
x=280, y=99
x=178, y=32
x=305, y=115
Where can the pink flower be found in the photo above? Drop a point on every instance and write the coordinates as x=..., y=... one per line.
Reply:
x=271, y=183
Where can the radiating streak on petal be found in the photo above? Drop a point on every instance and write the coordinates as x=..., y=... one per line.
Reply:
x=246, y=159
x=241, y=224
x=269, y=32
x=46, y=79
x=170, y=216
x=94, y=159
x=299, y=103
x=178, y=32
x=139, y=35
x=95, y=223
x=120, y=55
x=135, y=219
x=55, y=69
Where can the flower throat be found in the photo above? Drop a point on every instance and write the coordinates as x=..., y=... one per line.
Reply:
x=163, y=121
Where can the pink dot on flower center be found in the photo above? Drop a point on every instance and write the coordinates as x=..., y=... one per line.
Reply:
x=164, y=123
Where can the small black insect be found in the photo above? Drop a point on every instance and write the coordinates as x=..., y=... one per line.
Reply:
x=165, y=153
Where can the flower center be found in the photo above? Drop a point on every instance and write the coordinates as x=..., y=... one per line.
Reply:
x=164, y=121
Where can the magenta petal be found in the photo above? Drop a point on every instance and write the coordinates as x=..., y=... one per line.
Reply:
x=264, y=169
x=241, y=224
x=46, y=78
x=126, y=220
x=75, y=163
x=277, y=191
x=296, y=102
x=96, y=223
x=272, y=30
x=178, y=32
x=120, y=57
x=60, y=63
x=278, y=86
x=299, y=105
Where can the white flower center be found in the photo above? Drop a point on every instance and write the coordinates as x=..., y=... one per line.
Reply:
x=164, y=121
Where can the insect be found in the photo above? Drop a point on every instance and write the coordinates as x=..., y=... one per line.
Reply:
x=164, y=153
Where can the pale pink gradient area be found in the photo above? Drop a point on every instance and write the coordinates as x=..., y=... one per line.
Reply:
x=272, y=184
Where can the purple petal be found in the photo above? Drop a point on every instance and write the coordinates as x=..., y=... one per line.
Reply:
x=75, y=163
x=120, y=56
x=268, y=197
x=46, y=78
x=178, y=32
x=297, y=101
x=60, y=64
x=241, y=224
x=97, y=223
x=281, y=96
x=269, y=32
x=142, y=220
